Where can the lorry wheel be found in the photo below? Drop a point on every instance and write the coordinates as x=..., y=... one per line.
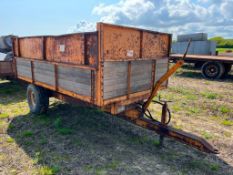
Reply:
x=38, y=99
x=213, y=70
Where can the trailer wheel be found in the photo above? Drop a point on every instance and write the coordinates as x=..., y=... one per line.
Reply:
x=213, y=70
x=38, y=99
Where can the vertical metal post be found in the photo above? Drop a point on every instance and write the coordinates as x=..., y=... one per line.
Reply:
x=56, y=77
x=129, y=80
x=163, y=122
x=32, y=71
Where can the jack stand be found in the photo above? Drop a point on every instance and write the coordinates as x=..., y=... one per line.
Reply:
x=163, y=121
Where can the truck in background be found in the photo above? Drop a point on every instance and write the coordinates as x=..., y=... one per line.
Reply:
x=202, y=53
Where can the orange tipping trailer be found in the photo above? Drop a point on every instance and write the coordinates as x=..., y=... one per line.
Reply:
x=118, y=69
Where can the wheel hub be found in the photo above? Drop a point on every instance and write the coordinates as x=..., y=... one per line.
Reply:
x=212, y=70
x=32, y=98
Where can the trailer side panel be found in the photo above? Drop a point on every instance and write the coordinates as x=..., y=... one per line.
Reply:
x=74, y=81
x=124, y=43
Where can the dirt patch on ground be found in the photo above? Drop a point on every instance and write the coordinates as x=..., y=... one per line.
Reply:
x=75, y=140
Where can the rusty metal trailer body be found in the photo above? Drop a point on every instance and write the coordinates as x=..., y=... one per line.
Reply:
x=110, y=68
x=212, y=66
x=118, y=69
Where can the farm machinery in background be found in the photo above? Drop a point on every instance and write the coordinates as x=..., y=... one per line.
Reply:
x=6, y=56
x=203, y=54
x=6, y=47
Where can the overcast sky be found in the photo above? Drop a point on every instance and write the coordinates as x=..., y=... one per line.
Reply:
x=27, y=17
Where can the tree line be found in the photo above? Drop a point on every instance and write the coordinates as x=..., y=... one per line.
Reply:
x=222, y=42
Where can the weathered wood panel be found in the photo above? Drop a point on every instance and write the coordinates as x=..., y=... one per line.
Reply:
x=161, y=68
x=44, y=72
x=72, y=79
x=75, y=80
x=115, y=79
x=23, y=68
x=141, y=75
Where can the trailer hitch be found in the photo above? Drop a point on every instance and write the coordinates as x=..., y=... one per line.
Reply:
x=146, y=120
x=141, y=116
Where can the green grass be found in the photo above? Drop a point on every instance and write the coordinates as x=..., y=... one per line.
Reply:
x=58, y=123
x=204, y=165
x=4, y=116
x=45, y=170
x=209, y=95
x=224, y=109
x=60, y=128
x=223, y=50
x=10, y=140
x=227, y=122
x=64, y=131
x=207, y=135
x=72, y=139
x=194, y=110
x=102, y=169
x=27, y=133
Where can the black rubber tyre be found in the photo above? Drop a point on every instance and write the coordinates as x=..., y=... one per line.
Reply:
x=227, y=68
x=38, y=99
x=213, y=70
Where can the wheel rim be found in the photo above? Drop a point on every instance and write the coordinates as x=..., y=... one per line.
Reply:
x=32, y=98
x=212, y=70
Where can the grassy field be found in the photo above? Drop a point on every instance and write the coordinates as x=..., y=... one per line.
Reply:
x=223, y=50
x=75, y=140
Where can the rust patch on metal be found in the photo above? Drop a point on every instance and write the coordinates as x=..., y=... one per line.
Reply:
x=31, y=47
x=120, y=43
x=155, y=45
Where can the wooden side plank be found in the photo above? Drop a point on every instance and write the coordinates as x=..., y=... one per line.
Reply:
x=160, y=69
x=75, y=87
x=115, y=79
x=23, y=68
x=74, y=74
x=44, y=72
x=75, y=80
x=141, y=75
